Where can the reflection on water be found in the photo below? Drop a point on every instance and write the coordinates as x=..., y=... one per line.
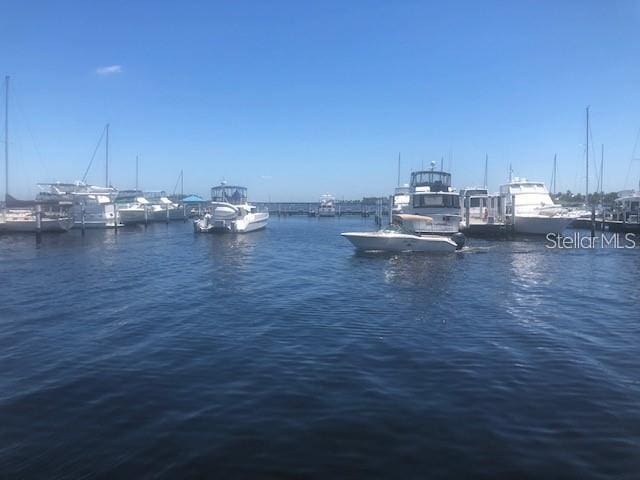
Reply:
x=284, y=352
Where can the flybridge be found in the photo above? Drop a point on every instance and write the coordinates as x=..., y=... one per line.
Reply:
x=435, y=180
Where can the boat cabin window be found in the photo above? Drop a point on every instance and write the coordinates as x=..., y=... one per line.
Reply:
x=229, y=194
x=437, y=181
x=475, y=202
x=445, y=201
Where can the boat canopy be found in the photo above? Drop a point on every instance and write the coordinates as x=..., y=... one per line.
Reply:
x=232, y=194
x=193, y=199
x=435, y=180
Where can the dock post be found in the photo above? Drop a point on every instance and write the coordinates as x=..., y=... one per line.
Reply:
x=38, y=222
x=83, y=213
x=513, y=214
x=467, y=210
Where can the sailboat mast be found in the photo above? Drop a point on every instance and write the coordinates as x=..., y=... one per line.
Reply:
x=587, y=179
x=107, y=159
x=486, y=169
x=555, y=173
x=6, y=136
x=602, y=174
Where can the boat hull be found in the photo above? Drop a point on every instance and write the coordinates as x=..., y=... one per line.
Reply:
x=540, y=225
x=30, y=226
x=373, y=241
x=255, y=222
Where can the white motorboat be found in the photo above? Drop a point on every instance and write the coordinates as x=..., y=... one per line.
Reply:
x=532, y=210
x=399, y=238
x=326, y=207
x=230, y=212
x=161, y=208
x=132, y=207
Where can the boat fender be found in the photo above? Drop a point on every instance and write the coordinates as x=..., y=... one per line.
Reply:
x=458, y=239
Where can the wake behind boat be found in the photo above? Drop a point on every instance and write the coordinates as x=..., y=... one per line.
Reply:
x=230, y=212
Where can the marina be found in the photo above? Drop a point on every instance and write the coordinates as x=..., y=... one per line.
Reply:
x=317, y=240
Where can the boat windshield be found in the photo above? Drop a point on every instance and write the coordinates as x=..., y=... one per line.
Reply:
x=437, y=181
x=229, y=194
x=398, y=228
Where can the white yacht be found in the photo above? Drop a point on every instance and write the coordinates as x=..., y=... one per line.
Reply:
x=230, y=211
x=93, y=206
x=398, y=237
x=431, y=195
x=327, y=207
x=132, y=207
x=161, y=208
x=534, y=212
x=23, y=216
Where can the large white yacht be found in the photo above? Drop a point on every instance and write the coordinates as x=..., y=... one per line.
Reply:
x=93, y=206
x=230, y=211
x=431, y=195
x=327, y=207
x=534, y=212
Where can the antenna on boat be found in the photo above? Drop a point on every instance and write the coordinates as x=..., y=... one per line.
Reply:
x=107, y=158
x=486, y=169
x=6, y=137
x=442, y=164
x=510, y=173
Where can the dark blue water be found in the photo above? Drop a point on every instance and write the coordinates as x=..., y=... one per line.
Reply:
x=284, y=354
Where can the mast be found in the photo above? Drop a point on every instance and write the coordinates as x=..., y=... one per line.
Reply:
x=136, y=173
x=486, y=169
x=587, y=179
x=398, y=169
x=442, y=164
x=107, y=157
x=6, y=137
x=602, y=175
x=554, y=173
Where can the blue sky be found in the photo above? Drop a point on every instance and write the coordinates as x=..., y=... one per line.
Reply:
x=295, y=99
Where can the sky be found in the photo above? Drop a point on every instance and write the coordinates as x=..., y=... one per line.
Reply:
x=294, y=99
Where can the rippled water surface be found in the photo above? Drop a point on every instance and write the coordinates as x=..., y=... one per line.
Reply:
x=284, y=354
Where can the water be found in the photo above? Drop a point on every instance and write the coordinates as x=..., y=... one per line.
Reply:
x=284, y=354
